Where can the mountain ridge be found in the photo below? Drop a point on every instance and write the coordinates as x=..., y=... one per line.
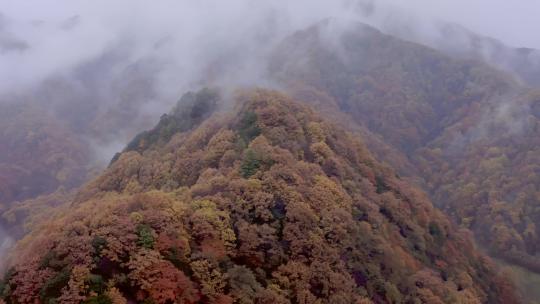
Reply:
x=270, y=204
x=440, y=113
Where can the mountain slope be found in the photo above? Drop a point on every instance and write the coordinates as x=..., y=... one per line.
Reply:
x=406, y=92
x=493, y=165
x=469, y=132
x=524, y=63
x=267, y=203
x=39, y=154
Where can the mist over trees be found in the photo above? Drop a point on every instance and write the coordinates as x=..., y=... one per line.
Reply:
x=353, y=152
x=265, y=203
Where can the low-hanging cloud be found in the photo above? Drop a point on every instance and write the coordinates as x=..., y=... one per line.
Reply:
x=513, y=22
x=110, y=68
x=6, y=242
x=47, y=37
x=117, y=65
x=185, y=36
x=42, y=38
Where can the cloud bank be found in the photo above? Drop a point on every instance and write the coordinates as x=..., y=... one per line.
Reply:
x=110, y=68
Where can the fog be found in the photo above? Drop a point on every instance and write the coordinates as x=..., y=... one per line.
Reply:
x=513, y=22
x=184, y=36
x=106, y=70
x=6, y=242
x=42, y=38
x=109, y=69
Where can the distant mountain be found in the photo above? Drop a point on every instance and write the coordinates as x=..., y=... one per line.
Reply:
x=39, y=153
x=524, y=63
x=268, y=201
x=264, y=203
x=452, y=39
x=467, y=132
x=41, y=161
x=57, y=134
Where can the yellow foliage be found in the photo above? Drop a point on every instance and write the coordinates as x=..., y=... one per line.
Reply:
x=321, y=151
x=116, y=296
x=209, y=275
x=315, y=132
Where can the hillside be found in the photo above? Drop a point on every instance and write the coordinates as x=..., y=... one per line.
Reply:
x=266, y=203
x=39, y=154
x=403, y=91
x=524, y=63
x=57, y=134
x=42, y=161
x=468, y=131
x=485, y=172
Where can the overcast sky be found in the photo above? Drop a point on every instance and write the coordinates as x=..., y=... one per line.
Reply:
x=516, y=22
x=43, y=37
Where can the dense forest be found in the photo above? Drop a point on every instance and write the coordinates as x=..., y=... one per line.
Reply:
x=41, y=154
x=466, y=132
x=43, y=163
x=265, y=204
x=377, y=170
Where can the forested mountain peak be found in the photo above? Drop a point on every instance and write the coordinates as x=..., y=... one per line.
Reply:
x=413, y=90
x=465, y=131
x=266, y=203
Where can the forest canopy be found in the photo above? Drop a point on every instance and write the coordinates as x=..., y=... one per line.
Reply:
x=267, y=203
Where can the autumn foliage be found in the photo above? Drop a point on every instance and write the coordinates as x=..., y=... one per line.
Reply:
x=465, y=132
x=266, y=203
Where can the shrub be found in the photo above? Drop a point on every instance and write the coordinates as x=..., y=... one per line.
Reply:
x=248, y=128
x=251, y=163
x=146, y=237
x=52, y=288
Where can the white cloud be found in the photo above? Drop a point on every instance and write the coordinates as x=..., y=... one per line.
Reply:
x=513, y=22
x=186, y=34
